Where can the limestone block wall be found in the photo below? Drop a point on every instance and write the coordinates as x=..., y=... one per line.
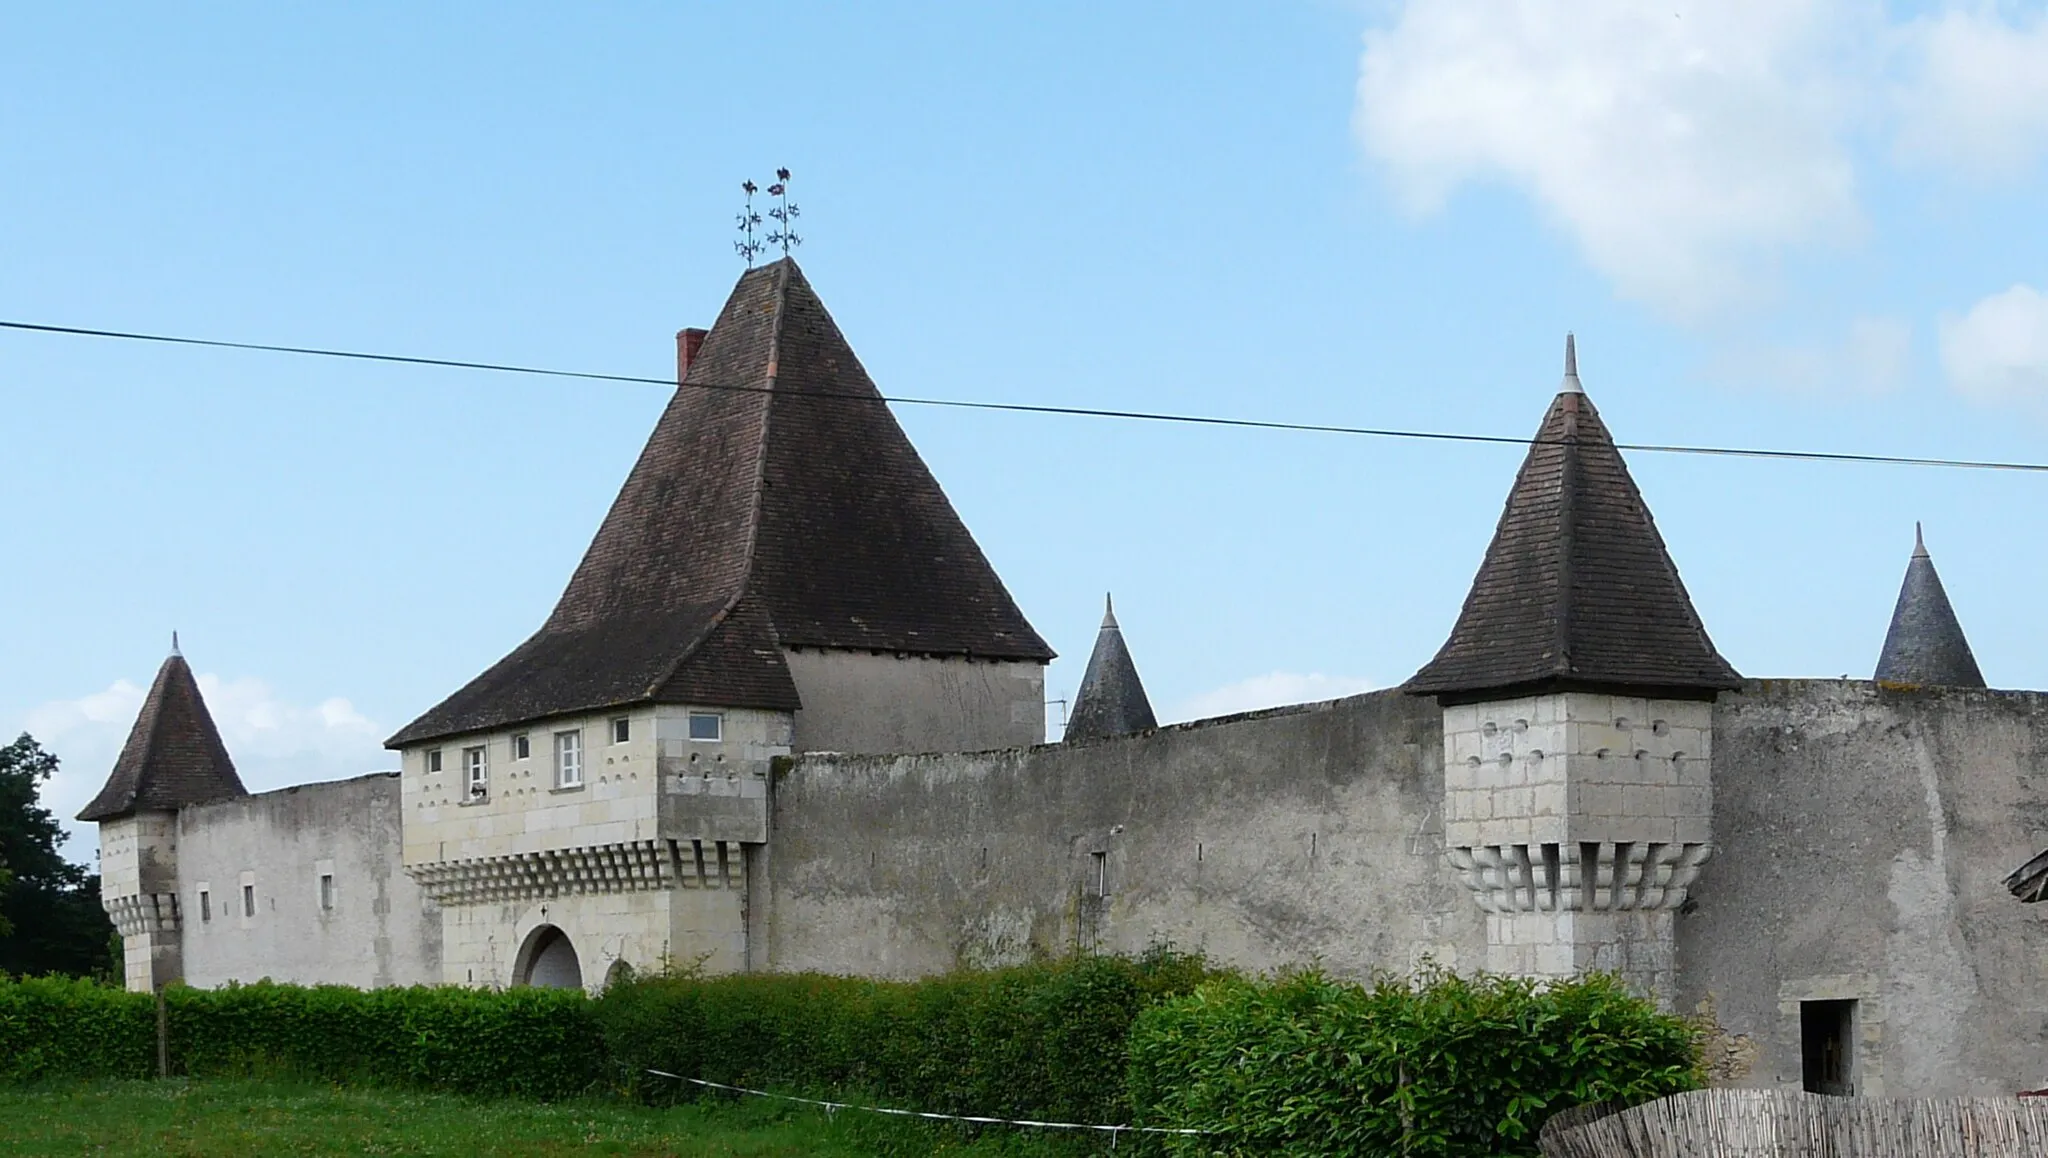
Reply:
x=1301, y=834
x=1862, y=835
x=861, y=702
x=304, y=885
x=139, y=889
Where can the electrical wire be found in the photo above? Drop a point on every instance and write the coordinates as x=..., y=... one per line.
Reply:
x=1031, y=408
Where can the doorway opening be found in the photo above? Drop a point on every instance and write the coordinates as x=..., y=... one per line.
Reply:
x=548, y=961
x=1826, y=1047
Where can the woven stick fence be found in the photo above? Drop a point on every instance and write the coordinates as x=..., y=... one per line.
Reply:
x=1775, y=1124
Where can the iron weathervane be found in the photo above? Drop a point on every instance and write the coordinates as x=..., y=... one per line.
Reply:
x=749, y=246
x=785, y=214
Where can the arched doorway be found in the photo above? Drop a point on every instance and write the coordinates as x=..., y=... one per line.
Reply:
x=548, y=961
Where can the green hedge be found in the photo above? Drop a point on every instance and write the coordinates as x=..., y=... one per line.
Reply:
x=525, y=1042
x=1044, y=1040
x=1441, y=1066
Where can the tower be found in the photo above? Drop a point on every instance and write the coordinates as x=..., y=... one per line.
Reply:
x=173, y=758
x=1925, y=644
x=1112, y=700
x=1577, y=690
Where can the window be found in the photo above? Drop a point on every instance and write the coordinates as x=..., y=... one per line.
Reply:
x=248, y=900
x=520, y=748
x=205, y=906
x=622, y=730
x=707, y=726
x=433, y=759
x=326, y=891
x=476, y=773
x=568, y=759
x=1826, y=1059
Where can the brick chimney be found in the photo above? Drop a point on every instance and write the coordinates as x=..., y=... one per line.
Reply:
x=687, y=343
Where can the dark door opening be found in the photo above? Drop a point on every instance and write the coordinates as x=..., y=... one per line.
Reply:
x=1826, y=1031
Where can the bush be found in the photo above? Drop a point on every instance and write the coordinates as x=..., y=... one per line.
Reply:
x=524, y=1042
x=1046, y=1040
x=1441, y=1066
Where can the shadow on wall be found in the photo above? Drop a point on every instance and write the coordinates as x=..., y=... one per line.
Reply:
x=548, y=961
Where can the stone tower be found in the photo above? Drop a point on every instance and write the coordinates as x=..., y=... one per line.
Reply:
x=1925, y=644
x=174, y=757
x=1577, y=690
x=1112, y=700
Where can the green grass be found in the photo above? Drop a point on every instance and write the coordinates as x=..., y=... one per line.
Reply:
x=231, y=1119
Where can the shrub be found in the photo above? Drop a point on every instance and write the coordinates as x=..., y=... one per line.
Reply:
x=1441, y=1066
x=62, y=1027
x=1045, y=1040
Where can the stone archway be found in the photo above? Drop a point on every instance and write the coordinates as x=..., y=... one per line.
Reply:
x=548, y=961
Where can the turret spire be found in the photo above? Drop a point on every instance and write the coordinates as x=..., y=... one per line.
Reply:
x=1112, y=700
x=1925, y=644
x=174, y=755
x=1570, y=385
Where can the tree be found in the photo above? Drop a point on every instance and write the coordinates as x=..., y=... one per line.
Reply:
x=50, y=915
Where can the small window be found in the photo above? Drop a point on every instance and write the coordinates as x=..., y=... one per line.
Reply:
x=205, y=906
x=622, y=730
x=476, y=773
x=248, y=900
x=326, y=891
x=707, y=726
x=433, y=759
x=520, y=748
x=568, y=759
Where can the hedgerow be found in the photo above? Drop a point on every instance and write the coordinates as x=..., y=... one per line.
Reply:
x=1440, y=1065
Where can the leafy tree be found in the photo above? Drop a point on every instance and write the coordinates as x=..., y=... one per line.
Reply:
x=50, y=915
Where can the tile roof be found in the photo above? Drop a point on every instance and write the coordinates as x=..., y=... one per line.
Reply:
x=1925, y=644
x=791, y=512
x=1576, y=589
x=174, y=755
x=1112, y=700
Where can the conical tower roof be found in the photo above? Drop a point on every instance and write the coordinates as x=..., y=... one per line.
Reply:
x=1926, y=644
x=174, y=756
x=1112, y=700
x=777, y=504
x=1576, y=590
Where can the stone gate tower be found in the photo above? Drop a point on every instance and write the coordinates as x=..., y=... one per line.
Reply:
x=1577, y=690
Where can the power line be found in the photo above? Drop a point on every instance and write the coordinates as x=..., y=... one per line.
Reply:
x=1029, y=408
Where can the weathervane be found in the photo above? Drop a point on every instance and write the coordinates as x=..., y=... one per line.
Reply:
x=785, y=214
x=750, y=247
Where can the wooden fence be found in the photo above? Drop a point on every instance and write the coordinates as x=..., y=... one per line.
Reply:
x=1775, y=1124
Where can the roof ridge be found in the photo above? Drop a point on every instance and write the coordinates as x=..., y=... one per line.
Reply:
x=1567, y=517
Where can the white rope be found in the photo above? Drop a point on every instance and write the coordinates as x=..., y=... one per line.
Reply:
x=830, y=1107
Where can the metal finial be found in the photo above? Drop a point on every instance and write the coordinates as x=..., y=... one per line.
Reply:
x=174, y=644
x=749, y=246
x=1919, y=544
x=1570, y=385
x=785, y=214
x=1108, y=610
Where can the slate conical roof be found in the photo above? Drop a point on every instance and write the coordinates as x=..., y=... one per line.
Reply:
x=173, y=756
x=789, y=510
x=1112, y=700
x=1576, y=589
x=1926, y=644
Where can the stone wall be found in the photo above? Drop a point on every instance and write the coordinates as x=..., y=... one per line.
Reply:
x=1862, y=835
x=326, y=898
x=855, y=701
x=1308, y=833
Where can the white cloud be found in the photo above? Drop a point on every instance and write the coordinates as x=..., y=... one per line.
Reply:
x=1271, y=690
x=1998, y=352
x=1870, y=357
x=1682, y=145
x=273, y=742
x=1976, y=93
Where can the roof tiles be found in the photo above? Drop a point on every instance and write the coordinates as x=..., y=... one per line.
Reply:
x=174, y=755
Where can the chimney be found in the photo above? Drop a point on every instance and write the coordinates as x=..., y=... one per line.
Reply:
x=687, y=343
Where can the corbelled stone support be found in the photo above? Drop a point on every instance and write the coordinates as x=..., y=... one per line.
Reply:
x=139, y=890
x=1578, y=821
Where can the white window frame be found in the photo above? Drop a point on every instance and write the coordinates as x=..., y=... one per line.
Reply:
x=433, y=760
x=569, y=759
x=717, y=718
x=248, y=902
x=522, y=747
x=622, y=724
x=326, y=892
x=476, y=773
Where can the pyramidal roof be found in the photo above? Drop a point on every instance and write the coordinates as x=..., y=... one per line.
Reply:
x=1926, y=644
x=1576, y=590
x=173, y=757
x=1112, y=700
x=777, y=504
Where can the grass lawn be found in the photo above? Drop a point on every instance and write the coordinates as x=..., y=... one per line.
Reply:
x=232, y=1119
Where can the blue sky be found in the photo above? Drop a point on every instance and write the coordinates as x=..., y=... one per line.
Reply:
x=1780, y=223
